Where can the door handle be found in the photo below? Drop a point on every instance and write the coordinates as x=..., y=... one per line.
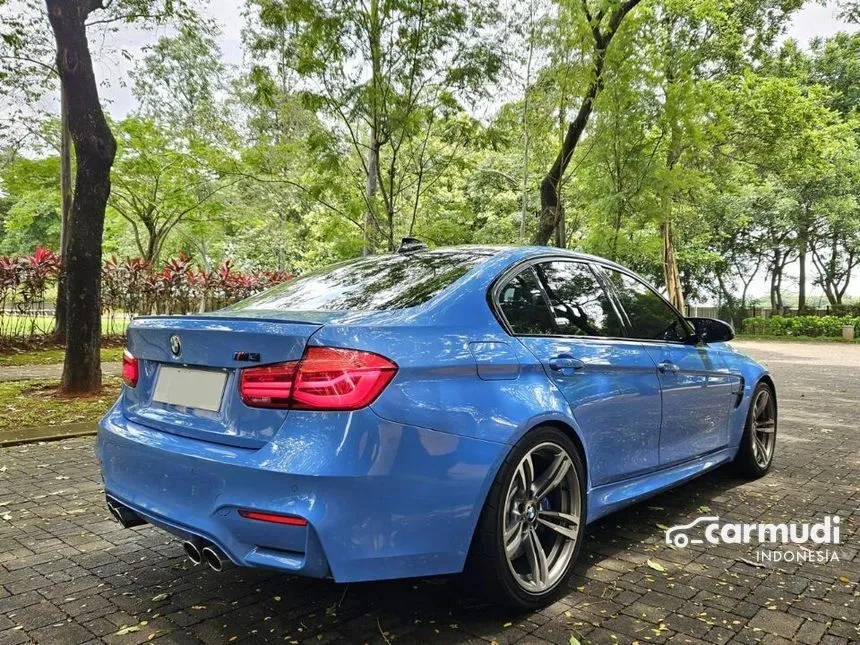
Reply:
x=565, y=362
x=668, y=367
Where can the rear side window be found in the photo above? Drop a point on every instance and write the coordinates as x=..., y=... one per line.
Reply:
x=651, y=317
x=374, y=283
x=580, y=306
x=524, y=307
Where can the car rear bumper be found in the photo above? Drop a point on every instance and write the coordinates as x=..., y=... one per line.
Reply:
x=381, y=499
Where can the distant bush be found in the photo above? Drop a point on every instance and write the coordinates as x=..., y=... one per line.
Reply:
x=847, y=310
x=129, y=287
x=24, y=285
x=811, y=326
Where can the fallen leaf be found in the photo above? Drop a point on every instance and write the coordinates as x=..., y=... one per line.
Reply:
x=160, y=597
x=128, y=630
x=655, y=565
x=752, y=563
x=573, y=640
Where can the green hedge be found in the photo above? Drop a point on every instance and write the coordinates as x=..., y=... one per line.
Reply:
x=811, y=326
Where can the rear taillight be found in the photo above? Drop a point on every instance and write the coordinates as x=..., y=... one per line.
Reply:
x=130, y=370
x=268, y=387
x=326, y=378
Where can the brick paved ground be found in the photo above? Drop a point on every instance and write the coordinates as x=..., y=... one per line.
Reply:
x=69, y=574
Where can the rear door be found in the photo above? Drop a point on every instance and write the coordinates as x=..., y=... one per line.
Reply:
x=698, y=390
x=559, y=311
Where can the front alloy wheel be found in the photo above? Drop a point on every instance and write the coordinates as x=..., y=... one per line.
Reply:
x=531, y=527
x=755, y=454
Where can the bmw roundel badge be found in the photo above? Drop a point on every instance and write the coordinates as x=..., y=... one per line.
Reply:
x=175, y=345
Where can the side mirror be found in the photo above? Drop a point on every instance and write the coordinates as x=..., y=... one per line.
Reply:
x=711, y=330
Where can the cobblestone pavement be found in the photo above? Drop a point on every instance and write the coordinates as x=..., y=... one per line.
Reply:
x=69, y=574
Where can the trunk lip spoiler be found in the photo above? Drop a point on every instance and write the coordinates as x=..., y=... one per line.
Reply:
x=271, y=319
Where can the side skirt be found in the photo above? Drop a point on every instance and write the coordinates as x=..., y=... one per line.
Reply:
x=608, y=498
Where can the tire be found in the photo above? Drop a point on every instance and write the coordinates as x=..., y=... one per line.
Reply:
x=758, y=444
x=528, y=517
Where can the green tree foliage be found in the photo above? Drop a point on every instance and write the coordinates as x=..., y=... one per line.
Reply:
x=393, y=75
x=707, y=152
x=31, y=212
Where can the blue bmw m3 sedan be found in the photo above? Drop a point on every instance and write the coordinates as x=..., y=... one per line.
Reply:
x=426, y=412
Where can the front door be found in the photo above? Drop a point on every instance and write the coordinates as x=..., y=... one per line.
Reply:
x=560, y=312
x=698, y=390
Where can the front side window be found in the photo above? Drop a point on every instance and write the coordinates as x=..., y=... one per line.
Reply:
x=651, y=317
x=374, y=283
x=580, y=306
x=524, y=307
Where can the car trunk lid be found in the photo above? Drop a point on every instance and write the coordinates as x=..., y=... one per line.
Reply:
x=189, y=370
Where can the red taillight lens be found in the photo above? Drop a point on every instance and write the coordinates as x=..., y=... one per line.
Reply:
x=130, y=370
x=326, y=378
x=275, y=518
x=268, y=387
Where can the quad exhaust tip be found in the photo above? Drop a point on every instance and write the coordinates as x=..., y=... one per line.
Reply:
x=124, y=515
x=212, y=558
x=200, y=551
x=192, y=550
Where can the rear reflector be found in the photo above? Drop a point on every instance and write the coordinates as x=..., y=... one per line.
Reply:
x=292, y=520
x=130, y=370
x=326, y=378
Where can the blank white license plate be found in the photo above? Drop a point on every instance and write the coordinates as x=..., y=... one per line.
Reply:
x=191, y=388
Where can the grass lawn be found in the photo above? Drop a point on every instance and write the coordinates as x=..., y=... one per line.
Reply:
x=25, y=404
x=12, y=326
x=51, y=355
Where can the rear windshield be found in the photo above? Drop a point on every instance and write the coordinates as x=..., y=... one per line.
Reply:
x=368, y=284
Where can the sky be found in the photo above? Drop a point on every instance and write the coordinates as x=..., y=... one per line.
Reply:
x=813, y=20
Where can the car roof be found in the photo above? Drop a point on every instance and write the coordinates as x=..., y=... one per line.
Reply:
x=514, y=254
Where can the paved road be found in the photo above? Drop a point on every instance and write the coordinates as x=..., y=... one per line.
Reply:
x=54, y=370
x=68, y=574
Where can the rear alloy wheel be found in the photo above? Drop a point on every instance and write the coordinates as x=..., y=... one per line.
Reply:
x=531, y=527
x=758, y=444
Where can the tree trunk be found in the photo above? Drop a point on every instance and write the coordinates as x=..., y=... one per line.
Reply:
x=774, y=272
x=801, y=287
x=370, y=194
x=552, y=211
x=374, y=40
x=150, y=257
x=95, y=148
x=670, y=267
x=60, y=322
x=526, y=140
x=779, y=302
